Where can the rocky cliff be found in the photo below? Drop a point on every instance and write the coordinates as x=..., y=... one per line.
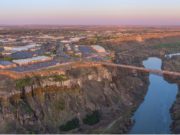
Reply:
x=83, y=100
x=173, y=64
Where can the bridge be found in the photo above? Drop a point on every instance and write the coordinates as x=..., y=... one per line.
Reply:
x=60, y=69
x=142, y=69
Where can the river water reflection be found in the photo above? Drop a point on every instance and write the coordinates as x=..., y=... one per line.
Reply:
x=153, y=114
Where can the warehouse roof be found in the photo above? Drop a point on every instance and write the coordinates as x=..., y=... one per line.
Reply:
x=5, y=63
x=21, y=48
x=98, y=48
x=33, y=59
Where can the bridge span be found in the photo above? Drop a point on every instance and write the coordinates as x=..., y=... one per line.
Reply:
x=142, y=69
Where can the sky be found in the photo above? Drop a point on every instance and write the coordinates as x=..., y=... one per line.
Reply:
x=90, y=12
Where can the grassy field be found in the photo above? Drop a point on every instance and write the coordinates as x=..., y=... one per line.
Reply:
x=168, y=45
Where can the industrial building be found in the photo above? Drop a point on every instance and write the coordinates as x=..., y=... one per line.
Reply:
x=32, y=60
x=20, y=48
x=6, y=64
x=98, y=48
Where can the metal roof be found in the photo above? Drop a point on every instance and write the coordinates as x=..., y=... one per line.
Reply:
x=33, y=59
x=5, y=63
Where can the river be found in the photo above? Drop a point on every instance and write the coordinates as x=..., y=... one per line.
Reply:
x=153, y=115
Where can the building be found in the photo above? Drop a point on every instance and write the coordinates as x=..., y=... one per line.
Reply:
x=1, y=49
x=32, y=60
x=78, y=54
x=98, y=48
x=67, y=48
x=86, y=50
x=76, y=48
x=3, y=41
x=20, y=48
x=22, y=55
x=65, y=41
x=6, y=64
x=75, y=39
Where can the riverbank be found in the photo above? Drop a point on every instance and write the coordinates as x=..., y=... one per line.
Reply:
x=173, y=64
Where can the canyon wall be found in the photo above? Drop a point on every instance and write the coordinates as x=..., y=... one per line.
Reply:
x=85, y=100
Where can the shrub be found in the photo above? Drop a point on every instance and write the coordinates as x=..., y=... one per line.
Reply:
x=60, y=105
x=7, y=58
x=72, y=124
x=59, y=78
x=21, y=83
x=92, y=119
x=25, y=107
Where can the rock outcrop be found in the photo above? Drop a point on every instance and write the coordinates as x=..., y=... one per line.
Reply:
x=84, y=100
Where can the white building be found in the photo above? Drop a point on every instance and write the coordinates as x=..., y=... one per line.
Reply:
x=32, y=60
x=65, y=41
x=3, y=41
x=98, y=48
x=21, y=48
x=75, y=39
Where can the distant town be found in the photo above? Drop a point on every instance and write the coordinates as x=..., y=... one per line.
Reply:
x=30, y=52
x=32, y=48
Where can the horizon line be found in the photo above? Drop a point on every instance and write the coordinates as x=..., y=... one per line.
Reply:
x=138, y=25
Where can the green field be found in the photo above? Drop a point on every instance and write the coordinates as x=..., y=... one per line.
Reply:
x=168, y=45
